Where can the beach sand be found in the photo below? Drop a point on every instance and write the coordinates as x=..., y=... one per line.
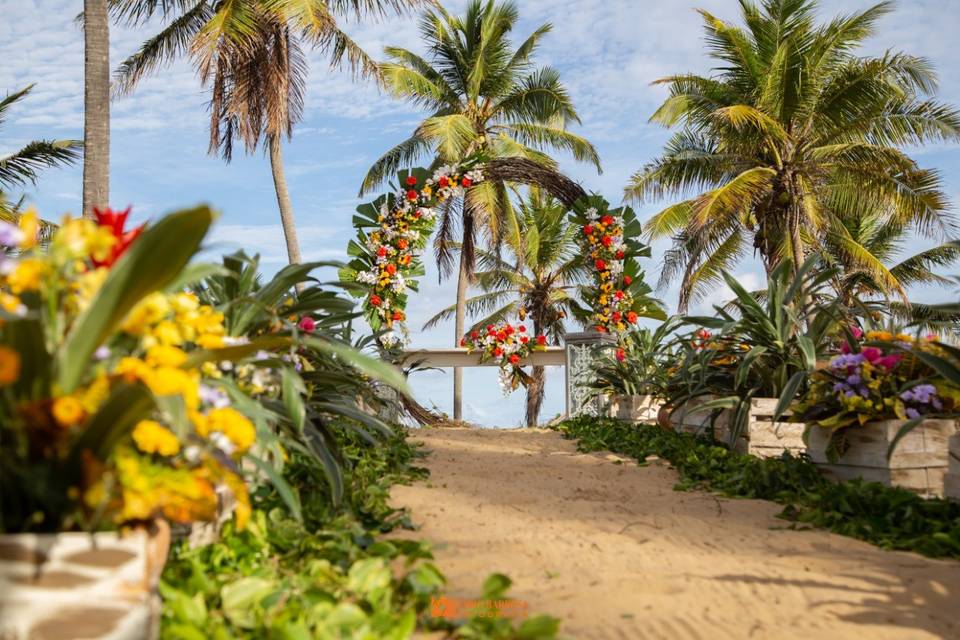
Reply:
x=614, y=552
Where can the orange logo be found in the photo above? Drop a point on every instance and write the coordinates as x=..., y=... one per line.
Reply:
x=457, y=608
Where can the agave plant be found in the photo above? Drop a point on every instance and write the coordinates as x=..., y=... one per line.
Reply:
x=766, y=348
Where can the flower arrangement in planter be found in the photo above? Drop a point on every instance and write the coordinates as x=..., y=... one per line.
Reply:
x=879, y=410
x=106, y=415
x=392, y=233
x=618, y=296
x=507, y=345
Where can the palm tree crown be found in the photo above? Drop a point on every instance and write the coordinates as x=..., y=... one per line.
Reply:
x=793, y=135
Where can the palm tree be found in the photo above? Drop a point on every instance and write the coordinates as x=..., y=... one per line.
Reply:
x=484, y=95
x=250, y=54
x=793, y=135
x=538, y=284
x=96, y=105
x=23, y=166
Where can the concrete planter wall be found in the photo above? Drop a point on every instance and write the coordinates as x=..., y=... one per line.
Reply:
x=691, y=418
x=635, y=409
x=919, y=462
x=951, y=480
x=763, y=437
x=79, y=585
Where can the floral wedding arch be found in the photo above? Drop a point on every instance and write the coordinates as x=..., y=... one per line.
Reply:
x=393, y=231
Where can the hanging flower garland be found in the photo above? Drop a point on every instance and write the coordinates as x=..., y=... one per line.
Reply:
x=392, y=233
x=508, y=346
x=618, y=296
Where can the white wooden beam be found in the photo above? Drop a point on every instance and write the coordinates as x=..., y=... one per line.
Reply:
x=553, y=356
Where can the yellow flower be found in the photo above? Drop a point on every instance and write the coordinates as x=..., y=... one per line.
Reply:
x=148, y=312
x=30, y=227
x=9, y=366
x=153, y=437
x=167, y=333
x=27, y=275
x=879, y=335
x=67, y=411
x=11, y=304
x=231, y=423
x=96, y=394
x=165, y=356
x=209, y=341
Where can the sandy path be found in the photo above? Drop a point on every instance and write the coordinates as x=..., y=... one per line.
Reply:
x=616, y=553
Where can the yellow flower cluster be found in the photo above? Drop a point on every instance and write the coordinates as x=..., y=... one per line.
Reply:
x=153, y=437
x=175, y=320
x=231, y=423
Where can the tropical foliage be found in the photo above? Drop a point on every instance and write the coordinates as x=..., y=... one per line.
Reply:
x=22, y=167
x=792, y=138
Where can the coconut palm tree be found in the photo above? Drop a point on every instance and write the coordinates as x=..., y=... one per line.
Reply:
x=96, y=105
x=484, y=95
x=792, y=135
x=538, y=284
x=23, y=166
x=250, y=54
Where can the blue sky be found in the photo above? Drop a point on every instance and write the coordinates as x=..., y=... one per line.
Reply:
x=608, y=52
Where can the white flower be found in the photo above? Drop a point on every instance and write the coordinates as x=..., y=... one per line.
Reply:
x=592, y=214
x=222, y=442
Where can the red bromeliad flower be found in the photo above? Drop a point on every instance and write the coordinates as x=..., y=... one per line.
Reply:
x=411, y=180
x=600, y=265
x=116, y=221
x=514, y=359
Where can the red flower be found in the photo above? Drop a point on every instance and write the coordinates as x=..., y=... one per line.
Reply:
x=620, y=255
x=398, y=316
x=509, y=330
x=621, y=355
x=417, y=213
x=600, y=265
x=382, y=252
x=618, y=295
x=402, y=243
x=631, y=317
x=411, y=180
x=601, y=328
x=607, y=220
x=607, y=241
x=890, y=362
x=522, y=329
x=466, y=182
x=498, y=352
x=443, y=181
x=524, y=339
x=474, y=335
x=501, y=335
x=375, y=300
x=489, y=327
x=463, y=342
x=627, y=280
x=514, y=358
x=703, y=334
x=411, y=195
x=616, y=316
x=872, y=354
x=115, y=221
x=588, y=229
x=307, y=324
x=542, y=340
x=391, y=268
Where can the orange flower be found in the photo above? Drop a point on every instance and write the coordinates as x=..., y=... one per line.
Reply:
x=9, y=366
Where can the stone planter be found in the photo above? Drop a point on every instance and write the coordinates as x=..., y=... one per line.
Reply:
x=690, y=418
x=762, y=437
x=918, y=463
x=79, y=585
x=635, y=409
x=951, y=480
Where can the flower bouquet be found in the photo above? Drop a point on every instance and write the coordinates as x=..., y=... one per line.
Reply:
x=507, y=345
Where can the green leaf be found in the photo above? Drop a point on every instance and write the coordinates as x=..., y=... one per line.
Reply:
x=495, y=586
x=538, y=627
x=155, y=260
x=788, y=394
x=809, y=352
x=116, y=418
x=372, y=367
x=287, y=493
x=901, y=433
x=293, y=393
x=240, y=600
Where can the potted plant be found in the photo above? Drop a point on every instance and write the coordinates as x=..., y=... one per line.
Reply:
x=882, y=411
x=634, y=375
x=107, y=431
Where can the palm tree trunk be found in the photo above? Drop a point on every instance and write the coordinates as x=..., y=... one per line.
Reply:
x=459, y=330
x=283, y=200
x=96, y=106
x=535, y=391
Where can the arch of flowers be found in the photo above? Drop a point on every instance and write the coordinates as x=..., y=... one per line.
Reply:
x=393, y=232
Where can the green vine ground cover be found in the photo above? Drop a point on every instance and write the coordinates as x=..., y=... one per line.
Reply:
x=888, y=517
x=331, y=576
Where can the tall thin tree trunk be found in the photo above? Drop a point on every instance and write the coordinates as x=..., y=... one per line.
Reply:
x=96, y=106
x=462, y=282
x=535, y=391
x=283, y=200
